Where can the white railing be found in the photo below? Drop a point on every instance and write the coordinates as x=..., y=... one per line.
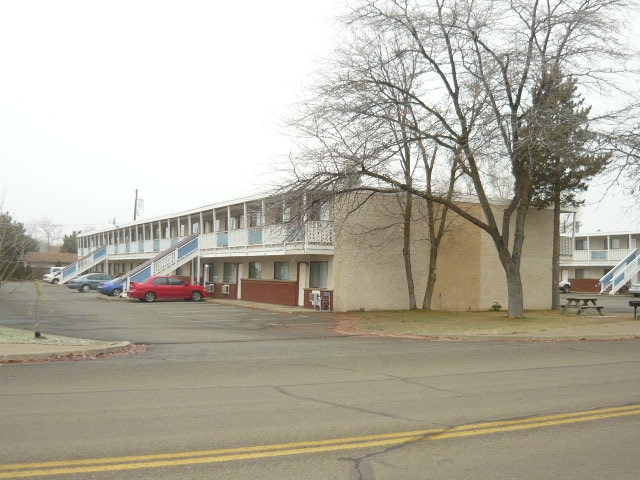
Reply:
x=320, y=232
x=314, y=234
x=596, y=256
x=622, y=273
x=166, y=261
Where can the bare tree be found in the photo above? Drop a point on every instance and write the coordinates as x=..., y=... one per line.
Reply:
x=49, y=230
x=363, y=112
x=478, y=64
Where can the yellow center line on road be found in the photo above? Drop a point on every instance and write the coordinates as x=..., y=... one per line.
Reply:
x=77, y=467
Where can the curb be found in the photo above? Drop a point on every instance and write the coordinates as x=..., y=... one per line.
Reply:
x=71, y=350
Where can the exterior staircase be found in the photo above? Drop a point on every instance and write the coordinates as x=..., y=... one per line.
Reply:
x=166, y=261
x=83, y=264
x=619, y=275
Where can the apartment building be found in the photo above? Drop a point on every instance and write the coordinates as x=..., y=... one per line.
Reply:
x=317, y=253
x=593, y=262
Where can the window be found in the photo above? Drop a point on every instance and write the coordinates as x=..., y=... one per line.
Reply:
x=580, y=273
x=228, y=274
x=318, y=274
x=281, y=271
x=615, y=244
x=255, y=269
x=215, y=272
x=283, y=214
x=581, y=244
x=161, y=281
x=319, y=210
x=237, y=221
x=176, y=282
x=255, y=219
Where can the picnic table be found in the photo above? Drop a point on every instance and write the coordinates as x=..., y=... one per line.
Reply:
x=582, y=303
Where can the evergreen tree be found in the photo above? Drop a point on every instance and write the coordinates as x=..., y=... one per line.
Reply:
x=563, y=152
x=14, y=244
x=70, y=243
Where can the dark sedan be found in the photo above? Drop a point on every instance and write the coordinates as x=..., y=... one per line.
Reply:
x=90, y=281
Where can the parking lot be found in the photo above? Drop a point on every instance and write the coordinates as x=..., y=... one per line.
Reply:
x=64, y=311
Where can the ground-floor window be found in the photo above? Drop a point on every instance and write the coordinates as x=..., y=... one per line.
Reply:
x=318, y=274
x=255, y=269
x=228, y=275
x=580, y=273
x=281, y=270
x=214, y=270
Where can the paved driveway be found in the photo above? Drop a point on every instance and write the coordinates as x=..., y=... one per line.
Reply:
x=91, y=315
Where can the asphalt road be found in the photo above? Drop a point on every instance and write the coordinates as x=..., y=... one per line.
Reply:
x=235, y=393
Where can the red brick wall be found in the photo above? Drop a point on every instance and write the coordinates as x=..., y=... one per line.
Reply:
x=217, y=290
x=277, y=292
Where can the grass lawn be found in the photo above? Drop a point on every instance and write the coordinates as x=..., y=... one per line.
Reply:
x=418, y=322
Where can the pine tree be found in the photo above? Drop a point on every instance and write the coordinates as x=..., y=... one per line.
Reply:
x=563, y=152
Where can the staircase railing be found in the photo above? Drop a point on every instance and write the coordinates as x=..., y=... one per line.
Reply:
x=83, y=264
x=619, y=275
x=165, y=261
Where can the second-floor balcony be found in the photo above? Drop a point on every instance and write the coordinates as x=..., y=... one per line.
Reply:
x=594, y=257
x=313, y=237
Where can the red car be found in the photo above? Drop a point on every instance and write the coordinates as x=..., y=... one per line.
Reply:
x=161, y=287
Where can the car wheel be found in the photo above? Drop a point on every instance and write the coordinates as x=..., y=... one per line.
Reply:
x=566, y=289
x=196, y=296
x=55, y=281
x=85, y=288
x=149, y=297
x=116, y=292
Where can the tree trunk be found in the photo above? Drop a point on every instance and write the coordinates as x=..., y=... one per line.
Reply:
x=555, y=255
x=406, y=251
x=431, y=277
x=514, y=290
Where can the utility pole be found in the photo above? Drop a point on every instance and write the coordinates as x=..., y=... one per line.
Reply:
x=135, y=206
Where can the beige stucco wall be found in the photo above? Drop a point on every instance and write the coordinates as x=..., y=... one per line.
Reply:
x=369, y=269
x=535, y=267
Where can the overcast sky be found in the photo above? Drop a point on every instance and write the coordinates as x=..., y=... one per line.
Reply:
x=179, y=100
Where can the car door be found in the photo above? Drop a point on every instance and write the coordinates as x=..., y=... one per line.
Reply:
x=94, y=279
x=179, y=288
x=161, y=287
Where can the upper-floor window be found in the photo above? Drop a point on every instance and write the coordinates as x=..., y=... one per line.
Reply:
x=319, y=210
x=283, y=214
x=255, y=219
x=581, y=244
x=237, y=221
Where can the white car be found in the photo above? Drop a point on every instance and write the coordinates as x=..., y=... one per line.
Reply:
x=53, y=276
x=565, y=285
x=634, y=289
